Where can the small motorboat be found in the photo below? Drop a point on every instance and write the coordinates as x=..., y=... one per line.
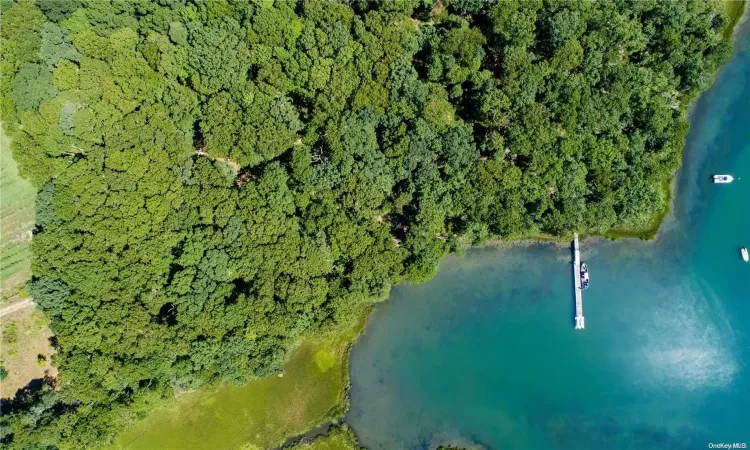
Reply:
x=745, y=256
x=723, y=179
x=584, y=276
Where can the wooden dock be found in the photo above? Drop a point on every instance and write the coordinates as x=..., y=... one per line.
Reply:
x=580, y=324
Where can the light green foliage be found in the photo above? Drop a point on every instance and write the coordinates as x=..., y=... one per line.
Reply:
x=219, y=179
x=260, y=127
x=19, y=44
x=65, y=77
x=21, y=37
x=178, y=33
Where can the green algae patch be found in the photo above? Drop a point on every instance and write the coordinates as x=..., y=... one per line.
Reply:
x=325, y=360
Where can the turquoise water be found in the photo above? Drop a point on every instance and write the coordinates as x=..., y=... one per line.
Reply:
x=486, y=352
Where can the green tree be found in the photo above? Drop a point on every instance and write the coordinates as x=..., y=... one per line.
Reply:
x=218, y=179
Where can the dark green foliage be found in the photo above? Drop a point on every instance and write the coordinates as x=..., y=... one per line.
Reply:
x=31, y=86
x=219, y=178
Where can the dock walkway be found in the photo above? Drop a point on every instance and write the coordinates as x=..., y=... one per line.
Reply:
x=580, y=324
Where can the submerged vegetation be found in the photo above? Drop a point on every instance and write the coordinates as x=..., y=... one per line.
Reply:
x=217, y=180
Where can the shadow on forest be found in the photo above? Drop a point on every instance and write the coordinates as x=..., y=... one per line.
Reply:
x=20, y=399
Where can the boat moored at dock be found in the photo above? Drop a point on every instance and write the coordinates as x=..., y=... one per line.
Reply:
x=577, y=281
x=584, y=276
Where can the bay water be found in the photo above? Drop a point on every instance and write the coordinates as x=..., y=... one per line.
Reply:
x=486, y=353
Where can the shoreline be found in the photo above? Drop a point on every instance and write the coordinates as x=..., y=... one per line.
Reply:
x=737, y=26
x=338, y=414
x=650, y=234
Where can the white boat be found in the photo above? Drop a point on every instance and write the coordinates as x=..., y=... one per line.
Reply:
x=745, y=256
x=584, y=276
x=723, y=178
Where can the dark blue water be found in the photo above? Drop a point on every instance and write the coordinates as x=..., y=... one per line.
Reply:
x=486, y=352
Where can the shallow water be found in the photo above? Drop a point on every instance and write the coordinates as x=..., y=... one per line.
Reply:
x=486, y=352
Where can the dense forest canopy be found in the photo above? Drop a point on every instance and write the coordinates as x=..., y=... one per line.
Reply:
x=217, y=178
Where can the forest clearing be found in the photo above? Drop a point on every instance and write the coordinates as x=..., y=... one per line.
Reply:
x=16, y=223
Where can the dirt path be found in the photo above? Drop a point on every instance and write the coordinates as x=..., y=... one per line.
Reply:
x=13, y=307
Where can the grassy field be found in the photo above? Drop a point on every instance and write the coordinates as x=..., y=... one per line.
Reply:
x=16, y=222
x=261, y=414
x=735, y=9
x=25, y=351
